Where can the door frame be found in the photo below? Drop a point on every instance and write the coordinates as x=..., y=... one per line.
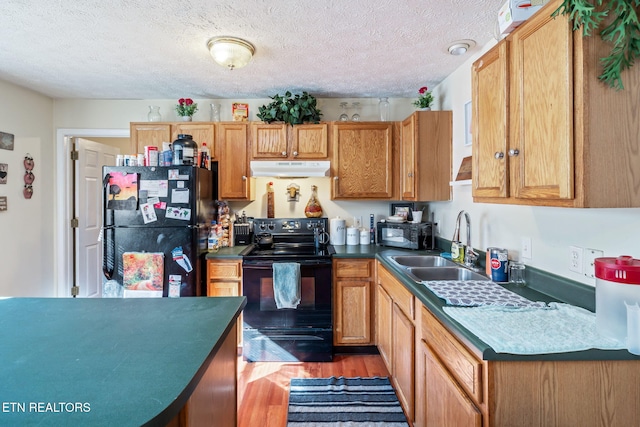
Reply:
x=63, y=200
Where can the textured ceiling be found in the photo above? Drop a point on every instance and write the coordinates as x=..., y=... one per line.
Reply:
x=156, y=49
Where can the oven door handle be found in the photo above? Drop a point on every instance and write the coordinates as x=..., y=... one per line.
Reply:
x=268, y=265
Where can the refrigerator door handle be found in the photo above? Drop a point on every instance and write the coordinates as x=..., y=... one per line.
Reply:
x=108, y=272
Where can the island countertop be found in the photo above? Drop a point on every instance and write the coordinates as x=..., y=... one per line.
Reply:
x=66, y=361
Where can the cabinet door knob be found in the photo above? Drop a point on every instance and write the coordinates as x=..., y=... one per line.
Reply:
x=244, y=178
x=295, y=154
x=499, y=155
x=284, y=154
x=335, y=178
x=410, y=174
x=514, y=152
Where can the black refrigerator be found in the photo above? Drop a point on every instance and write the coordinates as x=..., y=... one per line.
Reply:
x=155, y=226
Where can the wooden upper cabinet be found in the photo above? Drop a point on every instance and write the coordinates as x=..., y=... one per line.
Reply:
x=281, y=141
x=201, y=132
x=269, y=141
x=490, y=126
x=541, y=146
x=153, y=134
x=362, y=160
x=546, y=130
x=309, y=141
x=233, y=163
x=425, y=168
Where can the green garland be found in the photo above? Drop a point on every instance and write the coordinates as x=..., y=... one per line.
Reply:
x=623, y=32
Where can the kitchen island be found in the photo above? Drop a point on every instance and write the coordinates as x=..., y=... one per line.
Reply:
x=126, y=362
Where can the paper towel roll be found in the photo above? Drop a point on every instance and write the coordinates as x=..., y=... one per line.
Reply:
x=337, y=231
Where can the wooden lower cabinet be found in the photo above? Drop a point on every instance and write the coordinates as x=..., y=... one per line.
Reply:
x=353, y=281
x=402, y=338
x=445, y=403
x=384, y=314
x=450, y=378
x=224, y=279
x=396, y=335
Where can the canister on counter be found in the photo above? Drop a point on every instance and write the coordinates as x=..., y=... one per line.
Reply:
x=499, y=259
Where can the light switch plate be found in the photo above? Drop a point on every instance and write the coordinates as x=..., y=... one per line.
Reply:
x=526, y=248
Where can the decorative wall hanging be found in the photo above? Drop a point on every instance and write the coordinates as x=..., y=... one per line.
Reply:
x=4, y=171
x=6, y=141
x=29, y=177
x=293, y=191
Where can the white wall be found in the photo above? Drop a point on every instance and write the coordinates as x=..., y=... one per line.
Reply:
x=552, y=230
x=27, y=227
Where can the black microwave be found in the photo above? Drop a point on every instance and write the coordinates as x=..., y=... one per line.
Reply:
x=406, y=235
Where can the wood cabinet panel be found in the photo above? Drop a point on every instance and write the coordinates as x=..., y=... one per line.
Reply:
x=353, y=312
x=400, y=295
x=233, y=166
x=362, y=160
x=384, y=314
x=461, y=363
x=152, y=134
x=309, y=141
x=403, y=336
x=224, y=279
x=353, y=268
x=353, y=284
x=202, y=133
x=490, y=116
x=269, y=141
x=446, y=404
x=540, y=94
x=281, y=141
x=425, y=169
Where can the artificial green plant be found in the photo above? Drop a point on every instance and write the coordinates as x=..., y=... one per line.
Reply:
x=623, y=31
x=291, y=109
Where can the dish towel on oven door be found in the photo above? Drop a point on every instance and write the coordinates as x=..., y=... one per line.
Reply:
x=286, y=284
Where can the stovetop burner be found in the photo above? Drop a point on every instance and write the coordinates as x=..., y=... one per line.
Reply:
x=293, y=239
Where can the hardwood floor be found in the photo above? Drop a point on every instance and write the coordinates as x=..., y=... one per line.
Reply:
x=263, y=387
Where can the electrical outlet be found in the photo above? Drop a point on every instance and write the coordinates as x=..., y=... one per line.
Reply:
x=526, y=248
x=575, y=259
x=589, y=266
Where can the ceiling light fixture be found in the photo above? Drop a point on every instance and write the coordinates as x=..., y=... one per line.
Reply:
x=230, y=52
x=461, y=47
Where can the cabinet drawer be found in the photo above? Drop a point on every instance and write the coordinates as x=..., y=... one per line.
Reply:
x=226, y=270
x=462, y=364
x=353, y=268
x=398, y=293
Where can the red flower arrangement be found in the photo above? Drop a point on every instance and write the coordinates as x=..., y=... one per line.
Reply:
x=186, y=107
x=425, y=99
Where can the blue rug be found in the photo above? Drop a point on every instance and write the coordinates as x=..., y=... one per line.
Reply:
x=344, y=402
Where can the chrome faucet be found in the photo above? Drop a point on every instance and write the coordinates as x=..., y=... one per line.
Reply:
x=470, y=256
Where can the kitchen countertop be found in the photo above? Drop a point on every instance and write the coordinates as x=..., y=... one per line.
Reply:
x=435, y=305
x=543, y=288
x=116, y=361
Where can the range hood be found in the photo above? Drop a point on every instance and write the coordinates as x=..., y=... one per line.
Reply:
x=290, y=169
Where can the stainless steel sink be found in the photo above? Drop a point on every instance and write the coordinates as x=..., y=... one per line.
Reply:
x=422, y=261
x=443, y=273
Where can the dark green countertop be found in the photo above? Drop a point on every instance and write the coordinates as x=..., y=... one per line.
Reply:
x=99, y=362
x=542, y=286
x=222, y=253
x=435, y=304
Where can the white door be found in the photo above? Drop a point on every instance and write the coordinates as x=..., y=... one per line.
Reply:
x=88, y=209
